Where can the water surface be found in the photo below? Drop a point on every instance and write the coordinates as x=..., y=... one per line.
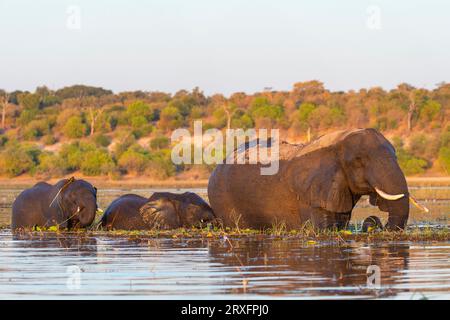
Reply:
x=80, y=267
x=43, y=268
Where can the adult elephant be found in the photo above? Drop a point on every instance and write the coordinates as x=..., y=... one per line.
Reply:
x=320, y=181
x=163, y=210
x=68, y=204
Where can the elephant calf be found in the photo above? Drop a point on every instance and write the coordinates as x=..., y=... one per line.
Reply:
x=69, y=203
x=163, y=210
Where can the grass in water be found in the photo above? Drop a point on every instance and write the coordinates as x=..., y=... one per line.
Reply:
x=307, y=233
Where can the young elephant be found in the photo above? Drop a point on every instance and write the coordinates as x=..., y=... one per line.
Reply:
x=372, y=223
x=69, y=203
x=163, y=210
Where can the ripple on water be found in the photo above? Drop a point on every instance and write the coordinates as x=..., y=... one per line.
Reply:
x=167, y=268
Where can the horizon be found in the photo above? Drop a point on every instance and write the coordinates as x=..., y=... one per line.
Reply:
x=436, y=86
x=223, y=47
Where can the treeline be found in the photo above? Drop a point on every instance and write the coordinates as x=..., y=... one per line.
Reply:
x=98, y=132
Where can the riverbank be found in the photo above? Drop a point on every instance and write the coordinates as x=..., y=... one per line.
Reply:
x=105, y=182
x=144, y=182
x=307, y=234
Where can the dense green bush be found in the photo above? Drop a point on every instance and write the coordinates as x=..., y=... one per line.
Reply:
x=96, y=162
x=26, y=116
x=159, y=142
x=139, y=109
x=51, y=164
x=101, y=140
x=49, y=139
x=73, y=154
x=161, y=165
x=132, y=161
x=15, y=160
x=170, y=118
x=74, y=127
x=409, y=164
x=430, y=110
x=36, y=129
x=140, y=126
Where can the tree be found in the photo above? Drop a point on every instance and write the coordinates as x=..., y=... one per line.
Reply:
x=411, y=109
x=81, y=91
x=304, y=114
x=133, y=161
x=74, y=128
x=93, y=115
x=30, y=101
x=96, y=162
x=430, y=110
x=95, y=110
x=310, y=91
x=230, y=110
x=4, y=100
x=170, y=118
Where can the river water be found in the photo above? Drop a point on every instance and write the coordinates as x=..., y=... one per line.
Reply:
x=91, y=267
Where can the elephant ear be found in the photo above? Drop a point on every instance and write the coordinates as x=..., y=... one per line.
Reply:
x=320, y=181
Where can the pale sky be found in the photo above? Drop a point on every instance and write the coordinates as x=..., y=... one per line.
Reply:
x=223, y=46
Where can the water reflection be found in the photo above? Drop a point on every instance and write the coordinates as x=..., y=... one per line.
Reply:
x=37, y=267
x=310, y=270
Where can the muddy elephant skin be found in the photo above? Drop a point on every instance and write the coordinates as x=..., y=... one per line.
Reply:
x=70, y=203
x=320, y=182
x=163, y=210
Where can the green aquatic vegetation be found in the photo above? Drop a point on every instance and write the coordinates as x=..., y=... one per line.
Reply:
x=307, y=233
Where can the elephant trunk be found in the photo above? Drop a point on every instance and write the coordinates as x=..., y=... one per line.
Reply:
x=389, y=185
x=86, y=214
x=398, y=214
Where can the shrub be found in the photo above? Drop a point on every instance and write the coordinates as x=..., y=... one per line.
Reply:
x=397, y=142
x=65, y=115
x=51, y=164
x=418, y=144
x=423, y=146
x=220, y=119
x=49, y=139
x=170, y=118
x=160, y=142
x=305, y=110
x=197, y=112
x=444, y=159
x=160, y=165
x=3, y=140
x=36, y=129
x=140, y=126
x=244, y=122
x=430, y=110
x=125, y=139
x=101, y=140
x=132, y=161
x=410, y=164
x=445, y=139
x=139, y=109
x=96, y=162
x=73, y=154
x=15, y=160
x=26, y=116
x=74, y=128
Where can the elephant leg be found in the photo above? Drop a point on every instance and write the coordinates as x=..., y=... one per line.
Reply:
x=323, y=219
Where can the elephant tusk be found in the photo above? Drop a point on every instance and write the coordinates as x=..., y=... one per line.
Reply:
x=388, y=196
x=418, y=205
